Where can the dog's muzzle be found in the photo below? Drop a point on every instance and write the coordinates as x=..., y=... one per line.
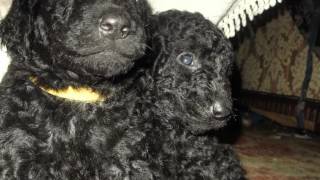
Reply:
x=115, y=24
x=220, y=110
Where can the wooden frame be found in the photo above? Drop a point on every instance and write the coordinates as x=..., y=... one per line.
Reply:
x=281, y=109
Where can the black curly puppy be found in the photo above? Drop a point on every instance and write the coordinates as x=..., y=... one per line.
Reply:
x=67, y=59
x=189, y=95
x=193, y=67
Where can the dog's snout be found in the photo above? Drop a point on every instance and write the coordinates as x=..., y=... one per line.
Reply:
x=220, y=109
x=115, y=25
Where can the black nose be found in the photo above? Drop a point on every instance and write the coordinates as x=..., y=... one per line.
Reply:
x=220, y=109
x=115, y=25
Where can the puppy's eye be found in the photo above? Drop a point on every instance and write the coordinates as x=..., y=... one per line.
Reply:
x=186, y=58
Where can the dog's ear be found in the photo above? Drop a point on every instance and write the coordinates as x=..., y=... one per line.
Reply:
x=145, y=10
x=16, y=28
x=60, y=11
x=40, y=31
x=161, y=55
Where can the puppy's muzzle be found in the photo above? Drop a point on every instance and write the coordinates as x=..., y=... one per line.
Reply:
x=115, y=24
x=220, y=109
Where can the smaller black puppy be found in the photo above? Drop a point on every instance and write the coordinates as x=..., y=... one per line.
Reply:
x=189, y=95
x=193, y=67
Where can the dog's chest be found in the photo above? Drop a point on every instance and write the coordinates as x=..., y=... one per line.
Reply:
x=67, y=127
x=81, y=121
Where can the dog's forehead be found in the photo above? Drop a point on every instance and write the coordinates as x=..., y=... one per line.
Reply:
x=189, y=31
x=74, y=10
x=207, y=55
x=122, y=3
x=200, y=42
x=194, y=46
x=109, y=2
x=96, y=3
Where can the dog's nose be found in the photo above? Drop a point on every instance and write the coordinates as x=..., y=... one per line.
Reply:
x=220, y=110
x=115, y=25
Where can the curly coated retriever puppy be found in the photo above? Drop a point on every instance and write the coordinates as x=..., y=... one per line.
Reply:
x=193, y=68
x=187, y=95
x=191, y=91
x=68, y=61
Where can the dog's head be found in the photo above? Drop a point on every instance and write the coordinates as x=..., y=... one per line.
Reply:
x=95, y=37
x=192, y=70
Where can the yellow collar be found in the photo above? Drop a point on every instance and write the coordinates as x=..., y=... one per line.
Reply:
x=80, y=94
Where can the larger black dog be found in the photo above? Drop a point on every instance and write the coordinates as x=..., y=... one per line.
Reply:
x=58, y=48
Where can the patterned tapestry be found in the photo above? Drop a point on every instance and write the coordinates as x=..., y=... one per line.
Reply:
x=275, y=60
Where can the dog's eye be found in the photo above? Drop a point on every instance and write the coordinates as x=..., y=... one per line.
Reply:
x=186, y=58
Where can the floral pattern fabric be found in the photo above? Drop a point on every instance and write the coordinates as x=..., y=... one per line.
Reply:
x=275, y=60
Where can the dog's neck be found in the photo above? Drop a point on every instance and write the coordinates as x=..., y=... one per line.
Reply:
x=79, y=94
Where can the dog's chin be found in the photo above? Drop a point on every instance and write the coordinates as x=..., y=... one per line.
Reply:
x=104, y=64
x=198, y=127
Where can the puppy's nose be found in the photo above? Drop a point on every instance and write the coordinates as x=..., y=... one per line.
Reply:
x=220, y=110
x=115, y=25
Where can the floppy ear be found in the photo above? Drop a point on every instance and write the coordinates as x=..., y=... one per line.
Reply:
x=161, y=58
x=145, y=10
x=60, y=11
x=16, y=28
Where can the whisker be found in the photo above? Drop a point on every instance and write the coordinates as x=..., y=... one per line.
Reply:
x=147, y=46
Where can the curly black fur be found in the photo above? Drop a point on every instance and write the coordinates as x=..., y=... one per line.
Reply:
x=196, y=86
x=132, y=135
x=58, y=43
x=177, y=106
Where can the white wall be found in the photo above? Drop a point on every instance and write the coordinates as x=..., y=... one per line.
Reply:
x=4, y=59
